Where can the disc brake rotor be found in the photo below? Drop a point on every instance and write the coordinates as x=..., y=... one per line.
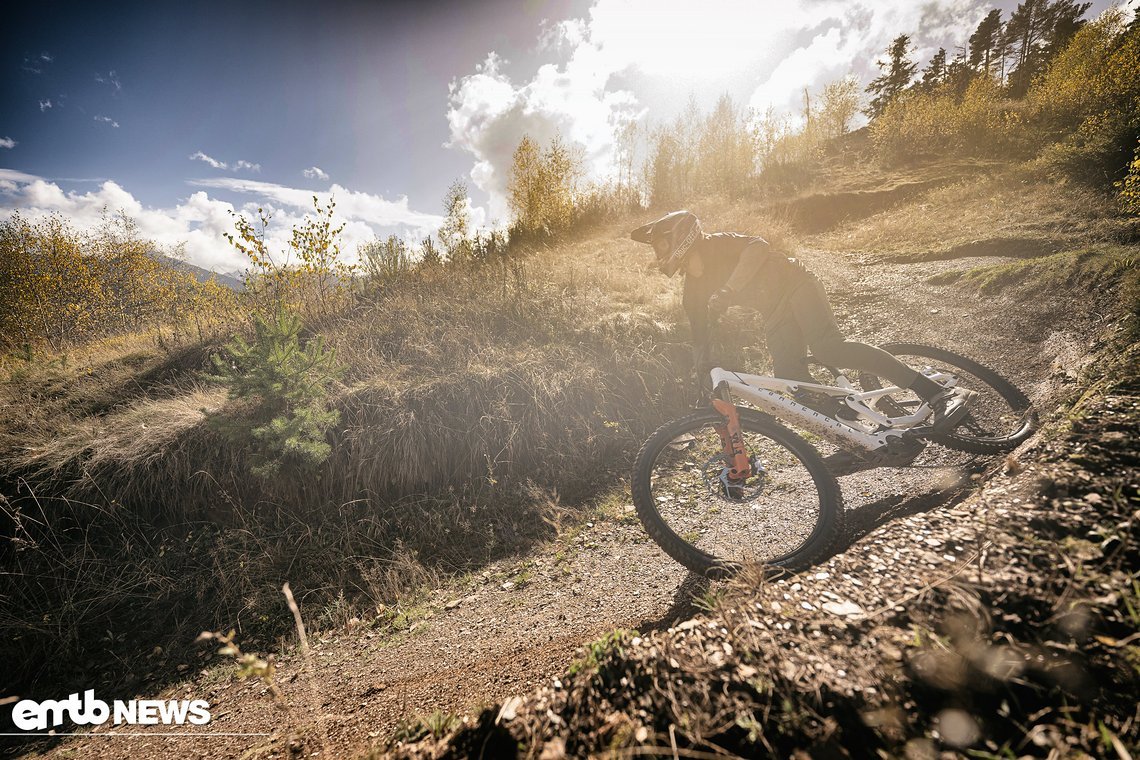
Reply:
x=715, y=475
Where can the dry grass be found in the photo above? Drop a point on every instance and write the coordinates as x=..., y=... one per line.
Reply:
x=137, y=435
x=1011, y=204
x=1085, y=270
x=463, y=388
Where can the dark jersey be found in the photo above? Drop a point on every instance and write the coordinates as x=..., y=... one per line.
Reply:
x=767, y=292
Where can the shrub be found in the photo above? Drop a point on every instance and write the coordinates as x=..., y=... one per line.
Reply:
x=61, y=287
x=384, y=262
x=1062, y=98
x=980, y=123
x=1130, y=186
x=1088, y=104
x=309, y=277
x=289, y=384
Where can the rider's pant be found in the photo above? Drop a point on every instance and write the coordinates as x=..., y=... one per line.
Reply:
x=806, y=319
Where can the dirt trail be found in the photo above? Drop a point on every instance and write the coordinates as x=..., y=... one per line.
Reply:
x=517, y=626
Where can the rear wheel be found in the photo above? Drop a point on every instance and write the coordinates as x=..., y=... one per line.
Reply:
x=999, y=419
x=788, y=514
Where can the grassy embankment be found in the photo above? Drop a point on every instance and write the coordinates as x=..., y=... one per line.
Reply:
x=474, y=403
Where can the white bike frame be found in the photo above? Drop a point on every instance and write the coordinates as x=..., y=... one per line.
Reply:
x=870, y=432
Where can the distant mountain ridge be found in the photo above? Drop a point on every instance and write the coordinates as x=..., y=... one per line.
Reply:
x=231, y=281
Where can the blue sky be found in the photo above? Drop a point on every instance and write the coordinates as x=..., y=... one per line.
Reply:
x=179, y=112
x=357, y=89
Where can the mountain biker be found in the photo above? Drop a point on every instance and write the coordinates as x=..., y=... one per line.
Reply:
x=725, y=268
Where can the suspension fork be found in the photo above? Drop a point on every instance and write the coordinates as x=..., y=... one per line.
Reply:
x=731, y=437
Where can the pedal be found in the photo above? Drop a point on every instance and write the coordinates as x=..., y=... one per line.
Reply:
x=951, y=421
x=957, y=402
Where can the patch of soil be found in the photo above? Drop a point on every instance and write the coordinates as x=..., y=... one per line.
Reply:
x=1012, y=247
x=822, y=211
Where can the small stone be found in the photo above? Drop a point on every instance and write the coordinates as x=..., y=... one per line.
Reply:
x=509, y=709
x=843, y=609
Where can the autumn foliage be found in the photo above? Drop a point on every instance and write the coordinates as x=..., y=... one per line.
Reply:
x=60, y=287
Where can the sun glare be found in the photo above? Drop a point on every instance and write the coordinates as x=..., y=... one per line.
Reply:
x=675, y=38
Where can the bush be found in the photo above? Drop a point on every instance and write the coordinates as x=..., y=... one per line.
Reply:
x=289, y=383
x=384, y=262
x=1062, y=98
x=62, y=287
x=982, y=122
x=1130, y=186
x=309, y=277
x=1088, y=104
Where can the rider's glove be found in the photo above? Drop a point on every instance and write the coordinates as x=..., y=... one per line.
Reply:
x=721, y=300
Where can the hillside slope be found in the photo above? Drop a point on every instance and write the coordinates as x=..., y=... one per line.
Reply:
x=542, y=574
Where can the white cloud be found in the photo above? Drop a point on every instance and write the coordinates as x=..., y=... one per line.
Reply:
x=850, y=36
x=110, y=78
x=7, y=142
x=366, y=207
x=200, y=220
x=10, y=180
x=630, y=60
x=34, y=64
x=107, y=120
x=45, y=105
x=215, y=163
x=490, y=114
x=11, y=175
x=315, y=172
x=200, y=156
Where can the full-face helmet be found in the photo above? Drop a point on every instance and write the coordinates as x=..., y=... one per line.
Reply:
x=672, y=237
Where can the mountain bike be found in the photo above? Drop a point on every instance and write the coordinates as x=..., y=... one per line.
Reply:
x=730, y=484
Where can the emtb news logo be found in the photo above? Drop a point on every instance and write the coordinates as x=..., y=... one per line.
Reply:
x=29, y=715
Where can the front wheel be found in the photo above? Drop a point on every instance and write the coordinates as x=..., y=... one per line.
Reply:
x=788, y=514
x=998, y=420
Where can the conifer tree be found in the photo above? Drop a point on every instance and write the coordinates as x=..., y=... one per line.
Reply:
x=1036, y=32
x=984, y=43
x=289, y=384
x=1022, y=35
x=935, y=72
x=1065, y=19
x=898, y=70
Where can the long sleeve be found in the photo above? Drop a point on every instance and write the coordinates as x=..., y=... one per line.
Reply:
x=695, y=302
x=752, y=258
